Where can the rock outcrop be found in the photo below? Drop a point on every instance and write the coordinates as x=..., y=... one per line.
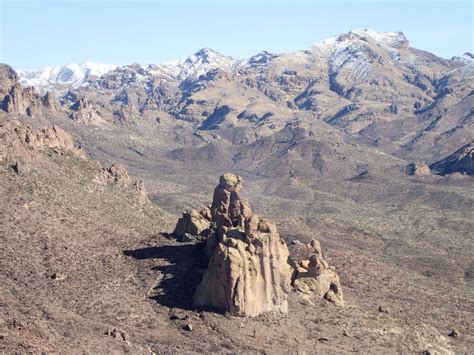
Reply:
x=248, y=271
x=249, y=268
x=84, y=111
x=18, y=100
x=142, y=195
x=418, y=169
x=313, y=278
x=117, y=174
x=24, y=143
x=191, y=226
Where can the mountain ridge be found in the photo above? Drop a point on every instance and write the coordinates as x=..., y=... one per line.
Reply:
x=371, y=87
x=60, y=78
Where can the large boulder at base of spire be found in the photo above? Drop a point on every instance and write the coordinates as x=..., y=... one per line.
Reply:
x=313, y=278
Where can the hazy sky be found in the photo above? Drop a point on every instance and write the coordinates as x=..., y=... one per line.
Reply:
x=40, y=33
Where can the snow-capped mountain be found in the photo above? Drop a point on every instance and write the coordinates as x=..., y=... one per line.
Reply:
x=63, y=77
x=368, y=84
x=354, y=52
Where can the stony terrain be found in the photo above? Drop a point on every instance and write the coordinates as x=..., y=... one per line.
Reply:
x=332, y=145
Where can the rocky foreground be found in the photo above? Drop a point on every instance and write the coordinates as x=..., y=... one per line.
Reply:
x=84, y=268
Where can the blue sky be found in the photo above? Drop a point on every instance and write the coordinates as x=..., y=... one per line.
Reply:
x=40, y=33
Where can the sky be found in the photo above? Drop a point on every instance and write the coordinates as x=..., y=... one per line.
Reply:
x=35, y=34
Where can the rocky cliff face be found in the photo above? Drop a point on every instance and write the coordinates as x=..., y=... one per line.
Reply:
x=18, y=100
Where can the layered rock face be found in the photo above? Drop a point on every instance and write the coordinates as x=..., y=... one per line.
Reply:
x=248, y=271
x=313, y=278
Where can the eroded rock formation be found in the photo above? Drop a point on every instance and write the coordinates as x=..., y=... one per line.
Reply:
x=117, y=174
x=249, y=266
x=248, y=271
x=313, y=278
x=23, y=143
x=18, y=100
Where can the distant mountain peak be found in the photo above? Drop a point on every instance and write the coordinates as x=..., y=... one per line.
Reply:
x=208, y=52
x=390, y=39
x=202, y=62
x=262, y=58
x=349, y=50
x=208, y=56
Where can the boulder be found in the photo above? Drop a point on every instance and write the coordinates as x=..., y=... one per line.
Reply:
x=313, y=278
x=193, y=223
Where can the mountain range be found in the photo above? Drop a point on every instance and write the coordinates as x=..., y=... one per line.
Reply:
x=368, y=87
x=60, y=78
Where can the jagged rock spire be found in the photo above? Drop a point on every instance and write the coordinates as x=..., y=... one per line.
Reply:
x=248, y=271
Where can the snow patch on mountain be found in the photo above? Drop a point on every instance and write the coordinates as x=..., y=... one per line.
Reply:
x=466, y=59
x=199, y=64
x=63, y=76
x=339, y=47
x=387, y=39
